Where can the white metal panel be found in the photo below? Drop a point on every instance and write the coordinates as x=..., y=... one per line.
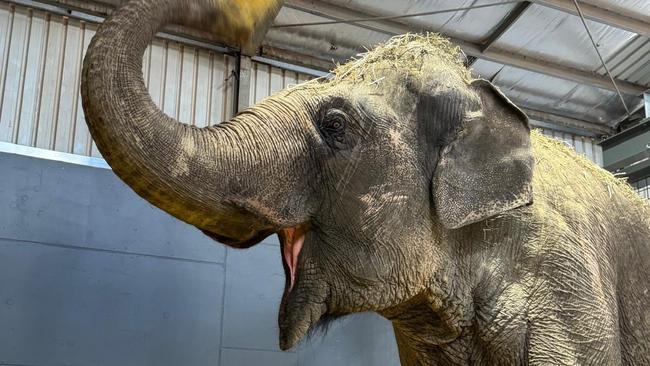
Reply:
x=187, y=88
x=589, y=150
x=171, y=80
x=290, y=79
x=82, y=140
x=267, y=80
x=262, y=77
x=556, y=36
x=201, y=99
x=6, y=20
x=32, y=81
x=643, y=187
x=277, y=80
x=13, y=71
x=598, y=153
x=221, y=88
x=637, y=8
x=631, y=62
x=579, y=146
x=542, y=92
x=567, y=139
x=304, y=77
x=50, y=84
x=69, y=90
x=41, y=56
x=156, y=65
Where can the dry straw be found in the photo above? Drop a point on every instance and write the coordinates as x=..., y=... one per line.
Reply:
x=406, y=53
x=570, y=182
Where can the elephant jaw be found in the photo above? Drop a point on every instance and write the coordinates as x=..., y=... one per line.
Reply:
x=303, y=302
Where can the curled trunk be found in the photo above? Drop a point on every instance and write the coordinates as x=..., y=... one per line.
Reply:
x=201, y=176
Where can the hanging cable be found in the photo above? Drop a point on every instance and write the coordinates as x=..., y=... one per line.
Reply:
x=593, y=42
x=370, y=19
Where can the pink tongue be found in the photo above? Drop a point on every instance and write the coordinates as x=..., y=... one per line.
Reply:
x=294, y=239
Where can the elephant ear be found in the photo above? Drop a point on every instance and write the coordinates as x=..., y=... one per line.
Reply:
x=487, y=167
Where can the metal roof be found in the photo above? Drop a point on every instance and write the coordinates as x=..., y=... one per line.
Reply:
x=537, y=52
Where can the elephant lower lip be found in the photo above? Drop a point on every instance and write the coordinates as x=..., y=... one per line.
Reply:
x=292, y=242
x=299, y=311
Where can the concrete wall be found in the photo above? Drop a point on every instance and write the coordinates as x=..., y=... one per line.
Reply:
x=91, y=275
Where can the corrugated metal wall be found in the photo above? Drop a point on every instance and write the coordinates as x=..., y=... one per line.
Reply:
x=582, y=144
x=41, y=56
x=642, y=186
x=266, y=80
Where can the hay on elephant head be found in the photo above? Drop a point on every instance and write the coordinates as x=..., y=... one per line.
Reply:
x=407, y=53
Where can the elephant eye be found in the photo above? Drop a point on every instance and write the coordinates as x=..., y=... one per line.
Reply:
x=333, y=125
x=334, y=122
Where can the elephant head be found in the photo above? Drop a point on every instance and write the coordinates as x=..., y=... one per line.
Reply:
x=360, y=175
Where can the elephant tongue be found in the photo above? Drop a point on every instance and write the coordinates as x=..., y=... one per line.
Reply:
x=293, y=240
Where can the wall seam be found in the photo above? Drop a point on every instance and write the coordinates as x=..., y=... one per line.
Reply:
x=260, y=349
x=223, y=303
x=109, y=251
x=41, y=78
x=77, y=83
x=10, y=25
x=23, y=72
x=59, y=82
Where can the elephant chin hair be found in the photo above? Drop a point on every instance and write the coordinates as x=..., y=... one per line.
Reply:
x=323, y=325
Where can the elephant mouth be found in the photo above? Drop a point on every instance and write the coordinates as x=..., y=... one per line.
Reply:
x=304, y=300
x=293, y=239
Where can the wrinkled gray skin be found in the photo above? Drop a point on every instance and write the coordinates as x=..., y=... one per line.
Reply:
x=416, y=200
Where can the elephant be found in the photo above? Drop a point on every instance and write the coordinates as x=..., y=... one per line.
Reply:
x=401, y=185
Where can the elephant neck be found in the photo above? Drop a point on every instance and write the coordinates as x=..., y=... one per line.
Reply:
x=433, y=323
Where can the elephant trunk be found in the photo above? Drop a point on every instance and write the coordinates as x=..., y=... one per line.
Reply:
x=201, y=176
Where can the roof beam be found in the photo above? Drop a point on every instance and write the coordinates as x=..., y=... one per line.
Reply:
x=628, y=21
x=391, y=27
x=549, y=68
x=568, y=122
x=505, y=25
